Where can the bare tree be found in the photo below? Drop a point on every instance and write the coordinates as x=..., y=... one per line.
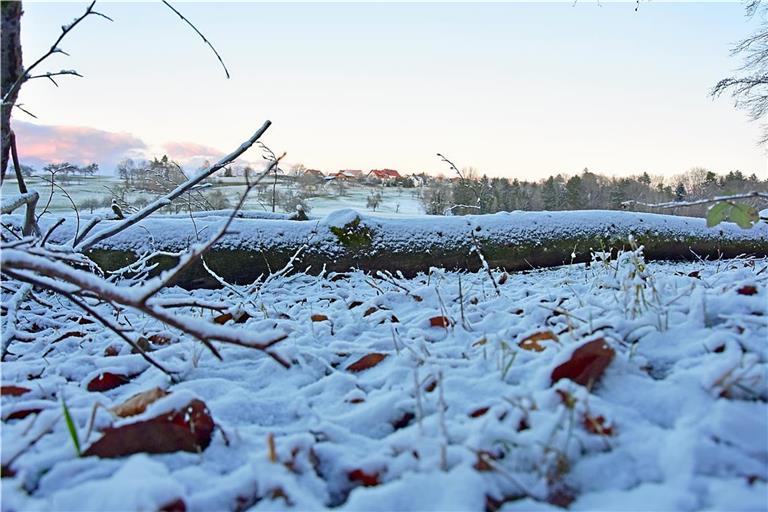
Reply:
x=749, y=88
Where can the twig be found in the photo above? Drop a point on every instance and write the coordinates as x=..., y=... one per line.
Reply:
x=166, y=199
x=676, y=204
x=226, y=71
x=65, y=29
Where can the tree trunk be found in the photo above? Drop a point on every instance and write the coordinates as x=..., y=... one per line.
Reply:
x=11, y=70
x=344, y=240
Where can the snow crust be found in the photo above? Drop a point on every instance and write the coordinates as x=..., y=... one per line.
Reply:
x=685, y=396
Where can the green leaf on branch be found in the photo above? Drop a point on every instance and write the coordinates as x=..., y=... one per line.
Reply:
x=718, y=213
x=744, y=215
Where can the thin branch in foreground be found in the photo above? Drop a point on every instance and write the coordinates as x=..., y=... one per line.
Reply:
x=226, y=71
x=677, y=204
x=165, y=200
x=65, y=29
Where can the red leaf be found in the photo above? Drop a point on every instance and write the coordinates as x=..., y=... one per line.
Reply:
x=176, y=505
x=366, y=362
x=478, y=412
x=69, y=334
x=189, y=429
x=586, y=364
x=403, y=421
x=13, y=390
x=596, y=425
x=22, y=414
x=367, y=479
x=747, y=290
x=107, y=381
x=439, y=321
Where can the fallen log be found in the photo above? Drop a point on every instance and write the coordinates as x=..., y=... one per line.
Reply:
x=348, y=239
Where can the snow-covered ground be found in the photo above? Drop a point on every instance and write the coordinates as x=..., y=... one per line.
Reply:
x=434, y=393
x=396, y=201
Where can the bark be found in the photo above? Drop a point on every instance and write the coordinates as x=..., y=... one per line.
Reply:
x=11, y=70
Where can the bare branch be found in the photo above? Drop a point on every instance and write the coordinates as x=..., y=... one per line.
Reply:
x=166, y=199
x=677, y=204
x=65, y=29
x=226, y=71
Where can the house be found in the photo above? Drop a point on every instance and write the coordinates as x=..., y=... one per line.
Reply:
x=345, y=175
x=314, y=172
x=384, y=174
x=352, y=173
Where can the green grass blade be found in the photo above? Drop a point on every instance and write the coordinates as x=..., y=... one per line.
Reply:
x=71, y=426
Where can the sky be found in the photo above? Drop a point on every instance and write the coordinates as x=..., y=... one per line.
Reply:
x=521, y=90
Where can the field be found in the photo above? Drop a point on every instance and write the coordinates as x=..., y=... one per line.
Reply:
x=395, y=201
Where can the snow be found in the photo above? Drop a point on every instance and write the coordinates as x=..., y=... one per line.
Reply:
x=684, y=397
x=402, y=233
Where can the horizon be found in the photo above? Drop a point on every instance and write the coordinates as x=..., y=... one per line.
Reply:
x=515, y=90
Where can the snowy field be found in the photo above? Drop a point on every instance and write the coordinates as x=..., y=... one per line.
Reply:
x=396, y=201
x=616, y=386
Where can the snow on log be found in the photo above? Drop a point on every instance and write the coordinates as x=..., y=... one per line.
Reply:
x=348, y=239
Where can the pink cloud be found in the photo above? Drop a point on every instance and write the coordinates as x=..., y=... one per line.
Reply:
x=42, y=144
x=189, y=150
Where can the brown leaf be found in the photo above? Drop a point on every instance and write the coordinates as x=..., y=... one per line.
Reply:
x=747, y=290
x=532, y=341
x=596, y=425
x=189, y=429
x=13, y=390
x=159, y=339
x=318, y=318
x=70, y=334
x=478, y=412
x=138, y=403
x=84, y=321
x=107, y=381
x=371, y=310
x=366, y=362
x=367, y=479
x=226, y=317
x=354, y=304
x=439, y=321
x=143, y=344
x=176, y=505
x=586, y=364
x=503, y=278
x=18, y=415
x=111, y=351
x=403, y=421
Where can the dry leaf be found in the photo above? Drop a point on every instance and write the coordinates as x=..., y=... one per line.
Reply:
x=596, y=425
x=439, y=321
x=318, y=318
x=189, y=429
x=366, y=362
x=138, y=403
x=747, y=290
x=532, y=341
x=478, y=412
x=107, y=381
x=367, y=479
x=13, y=390
x=586, y=364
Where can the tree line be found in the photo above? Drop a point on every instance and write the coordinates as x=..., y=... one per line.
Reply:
x=474, y=194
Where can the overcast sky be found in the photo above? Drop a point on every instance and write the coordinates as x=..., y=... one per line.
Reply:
x=514, y=89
